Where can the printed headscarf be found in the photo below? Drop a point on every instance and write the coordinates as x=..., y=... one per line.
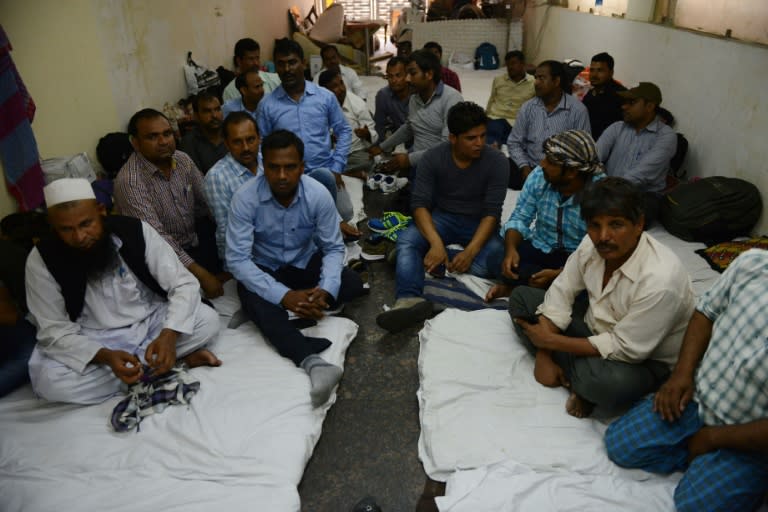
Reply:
x=574, y=149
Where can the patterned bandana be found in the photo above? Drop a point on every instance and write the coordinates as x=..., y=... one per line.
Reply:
x=574, y=149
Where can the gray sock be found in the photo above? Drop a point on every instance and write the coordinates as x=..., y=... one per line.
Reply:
x=323, y=376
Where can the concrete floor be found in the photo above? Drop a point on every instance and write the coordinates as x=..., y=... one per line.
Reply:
x=369, y=440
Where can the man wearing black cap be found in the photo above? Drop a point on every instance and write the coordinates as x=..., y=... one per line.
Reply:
x=640, y=147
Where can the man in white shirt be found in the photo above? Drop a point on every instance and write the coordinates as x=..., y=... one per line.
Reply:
x=332, y=60
x=359, y=118
x=620, y=344
x=111, y=300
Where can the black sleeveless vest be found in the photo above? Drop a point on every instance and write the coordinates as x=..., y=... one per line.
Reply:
x=73, y=280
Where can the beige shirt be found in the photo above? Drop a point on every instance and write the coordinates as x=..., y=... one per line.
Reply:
x=642, y=312
x=508, y=96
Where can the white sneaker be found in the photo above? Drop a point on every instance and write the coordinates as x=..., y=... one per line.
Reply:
x=391, y=184
x=374, y=182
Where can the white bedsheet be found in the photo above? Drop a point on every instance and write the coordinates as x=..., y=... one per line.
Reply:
x=241, y=445
x=504, y=442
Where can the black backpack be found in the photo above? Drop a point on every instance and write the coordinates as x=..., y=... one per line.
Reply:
x=113, y=151
x=711, y=210
x=486, y=57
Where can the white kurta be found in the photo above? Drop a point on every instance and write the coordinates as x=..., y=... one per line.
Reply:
x=357, y=114
x=119, y=312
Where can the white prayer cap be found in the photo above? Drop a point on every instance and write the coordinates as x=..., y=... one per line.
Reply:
x=67, y=189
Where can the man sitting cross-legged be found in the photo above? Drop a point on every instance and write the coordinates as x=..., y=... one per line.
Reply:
x=108, y=295
x=241, y=136
x=619, y=344
x=546, y=225
x=457, y=199
x=710, y=419
x=284, y=247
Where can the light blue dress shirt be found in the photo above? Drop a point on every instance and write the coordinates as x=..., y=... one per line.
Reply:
x=312, y=118
x=236, y=105
x=261, y=231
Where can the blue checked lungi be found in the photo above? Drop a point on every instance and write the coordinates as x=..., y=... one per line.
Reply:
x=723, y=480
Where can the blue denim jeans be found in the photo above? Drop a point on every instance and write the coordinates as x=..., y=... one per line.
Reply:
x=412, y=246
x=18, y=341
x=498, y=131
x=325, y=177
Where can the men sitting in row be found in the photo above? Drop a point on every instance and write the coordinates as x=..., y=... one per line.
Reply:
x=164, y=188
x=508, y=93
x=621, y=344
x=241, y=136
x=312, y=113
x=251, y=88
x=111, y=300
x=428, y=110
x=392, y=100
x=552, y=111
x=640, y=147
x=449, y=77
x=285, y=249
x=332, y=61
x=602, y=101
x=710, y=418
x=248, y=56
x=456, y=199
x=359, y=119
x=204, y=143
x=546, y=225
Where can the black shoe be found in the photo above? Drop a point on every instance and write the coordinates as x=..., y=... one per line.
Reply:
x=404, y=313
x=367, y=504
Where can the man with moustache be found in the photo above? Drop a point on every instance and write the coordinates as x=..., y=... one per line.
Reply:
x=457, y=198
x=285, y=249
x=248, y=56
x=602, y=101
x=312, y=113
x=164, y=188
x=552, y=111
x=546, y=225
x=427, y=113
x=111, y=302
x=392, y=100
x=251, y=88
x=621, y=343
x=241, y=136
x=204, y=144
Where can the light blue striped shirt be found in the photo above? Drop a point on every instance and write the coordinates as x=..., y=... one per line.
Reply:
x=730, y=383
x=221, y=183
x=534, y=125
x=642, y=158
x=558, y=219
x=263, y=232
x=312, y=118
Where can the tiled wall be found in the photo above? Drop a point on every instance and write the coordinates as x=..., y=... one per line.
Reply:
x=465, y=36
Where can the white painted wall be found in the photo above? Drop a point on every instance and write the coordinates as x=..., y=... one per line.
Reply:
x=90, y=64
x=716, y=88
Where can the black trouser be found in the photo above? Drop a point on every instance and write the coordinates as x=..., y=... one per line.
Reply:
x=272, y=319
x=516, y=179
x=205, y=252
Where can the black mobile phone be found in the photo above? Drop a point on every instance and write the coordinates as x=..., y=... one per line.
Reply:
x=531, y=319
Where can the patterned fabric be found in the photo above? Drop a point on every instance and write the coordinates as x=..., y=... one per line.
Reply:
x=152, y=395
x=534, y=124
x=731, y=378
x=721, y=255
x=169, y=205
x=18, y=148
x=722, y=480
x=558, y=219
x=574, y=149
x=220, y=184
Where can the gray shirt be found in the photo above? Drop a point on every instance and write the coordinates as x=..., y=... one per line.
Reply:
x=477, y=191
x=426, y=123
x=642, y=158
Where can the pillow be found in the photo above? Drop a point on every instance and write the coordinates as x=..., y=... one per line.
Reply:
x=721, y=255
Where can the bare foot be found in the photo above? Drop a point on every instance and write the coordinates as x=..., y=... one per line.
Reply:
x=547, y=372
x=497, y=291
x=202, y=357
x=578, y=407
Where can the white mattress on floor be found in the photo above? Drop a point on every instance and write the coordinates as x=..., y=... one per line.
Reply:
x=502, y=441
x=241, y=445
